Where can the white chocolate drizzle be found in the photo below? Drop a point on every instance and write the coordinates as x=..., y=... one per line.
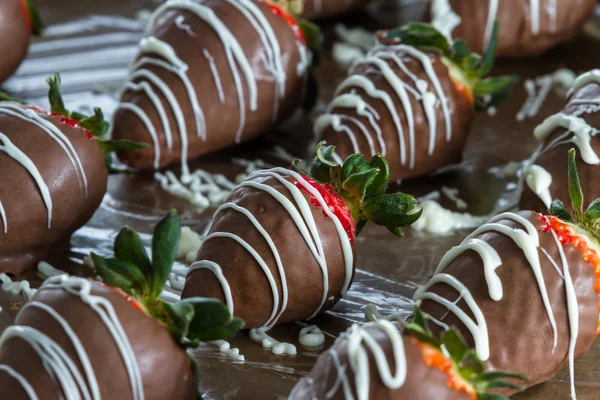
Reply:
x=311, y=336
x=16, y=287
x=301, y=213
x=22, y=381
x=82, y=288
x=528, y=241
x=429, y=99
x=7, y=147
x=236, y=60
x=585, y=79
x=359, y=342
x=31, y=116
x=3, y=218
x=534, y=17
x=539, y=181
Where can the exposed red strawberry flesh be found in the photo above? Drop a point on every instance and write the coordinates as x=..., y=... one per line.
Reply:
x=25, y=12
x=335, y=203
x=464, y=89
x=566, y=235
x=130, y=299
x=434, y=358
x=287, y=17
x=71, y=122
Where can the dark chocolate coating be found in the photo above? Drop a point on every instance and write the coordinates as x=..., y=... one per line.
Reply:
x=222, y=120
x=515, y=36
x=445, y=153
x=252, y=296
x=555, y=159
x=521, y=337
x=326, y=8
x=14, y=37
x=164, y=366
x=422, y=382
x=28, y=239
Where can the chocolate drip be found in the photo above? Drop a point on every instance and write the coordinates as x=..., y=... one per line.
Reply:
x=521, y=311
x=40, y=212
x=208, y=76
x=404, y=104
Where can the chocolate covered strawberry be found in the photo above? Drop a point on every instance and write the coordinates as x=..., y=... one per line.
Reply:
x=529, y=27
x=210, y=74
x=281, y=247
x=413, y=99
x=320, y=8
x=53, y=168
x=524, y=288
x=575, y=126
x=20, y=20
x=376, y=361
x=80, y=339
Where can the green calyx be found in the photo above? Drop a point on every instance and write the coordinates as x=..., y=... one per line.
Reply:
x=189, y=321
x=95, y=124
x=465, y=360
x=588, y=220
x=468, y=68
x=362, y=185
x=37, y=26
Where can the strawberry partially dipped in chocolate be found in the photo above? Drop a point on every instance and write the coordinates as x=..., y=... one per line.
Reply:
x=53, y=168
x=523, y=288
x=210, y=74
x=80, y=339
x=376, y=361
x=281, y=247
x=413, y=99
x=20, y=20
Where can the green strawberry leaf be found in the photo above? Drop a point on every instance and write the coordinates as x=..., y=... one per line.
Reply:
x=129, y=247
x=180, y=316
x=356, y=185
x=121, y=274
x=165, y=243
x=115, y=146
x=37, y=26
x=420, y=35
x=6, y=97
x=574, y=184
x=454, y=344
x=394, y=210
x=558, y=210
x=381, y=181
x=593, y=211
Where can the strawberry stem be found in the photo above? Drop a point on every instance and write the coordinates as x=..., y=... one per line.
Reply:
x=362, y=185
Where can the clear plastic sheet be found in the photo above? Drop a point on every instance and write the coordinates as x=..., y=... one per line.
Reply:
x=91, y=43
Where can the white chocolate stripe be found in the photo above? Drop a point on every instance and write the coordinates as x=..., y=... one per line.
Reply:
x=174, y=104
x=582, y=134
x=141, y=114
x=273, y=247
x=56, y=361
x=16, y=154
x=263, y=265
x=362, y=108
x=81, y=353
x=585, y=79
x=22, y=381
x=82, y=288
x=3, y=218
x=216, y=269
x=178, y=68
x=51, y=130
x=160, y=109
x=534, y=17
x=368, y=86
x=215, y=73
x=335, y=121
x=233, y=50
x=527, y=240
x=572, y=311
x=398, y=86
